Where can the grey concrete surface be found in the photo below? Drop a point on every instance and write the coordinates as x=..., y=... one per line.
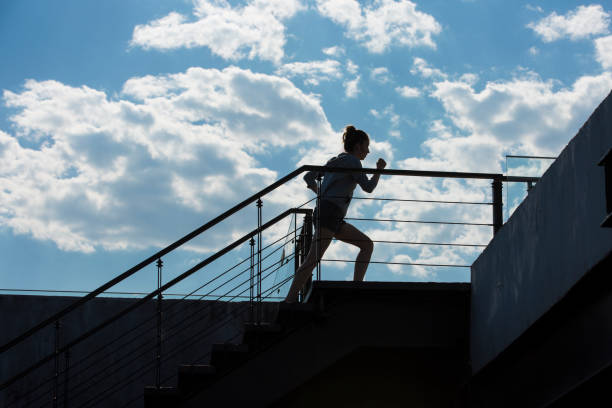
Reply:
x=402, y=324
x=550, y=242
x=116, y=375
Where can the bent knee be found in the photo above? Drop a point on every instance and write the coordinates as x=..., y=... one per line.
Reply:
x=367, y=245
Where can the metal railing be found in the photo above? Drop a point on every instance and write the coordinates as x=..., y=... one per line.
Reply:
x=258, y=273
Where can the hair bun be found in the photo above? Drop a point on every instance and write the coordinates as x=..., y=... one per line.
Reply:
x=352, y=136
x=348, y=130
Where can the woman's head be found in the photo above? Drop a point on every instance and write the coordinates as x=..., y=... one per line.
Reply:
x=356, y=141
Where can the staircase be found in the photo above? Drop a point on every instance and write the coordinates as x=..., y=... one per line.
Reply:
x=372, y=343
x=404, y=342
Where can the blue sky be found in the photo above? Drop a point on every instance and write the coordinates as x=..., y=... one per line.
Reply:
x=126, y=124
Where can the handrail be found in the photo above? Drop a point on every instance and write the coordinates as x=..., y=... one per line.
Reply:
x=238, y=207
x=151, y=295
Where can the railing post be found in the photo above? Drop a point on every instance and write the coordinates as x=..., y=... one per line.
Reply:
x=160, y=264
x=57, y=364
x=259, y=222
x=498, y=204
x=306, y=246
x=296, y=246
x=252, y=280
x=66, y=368
x=318, y=227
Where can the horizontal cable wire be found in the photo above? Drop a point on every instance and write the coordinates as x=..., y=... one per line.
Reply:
x=419, y=222
x=185, y=296
x=416, y=201
x=415, y=243
x=396, y=263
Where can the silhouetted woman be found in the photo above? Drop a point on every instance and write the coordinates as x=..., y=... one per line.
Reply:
x=336, y=193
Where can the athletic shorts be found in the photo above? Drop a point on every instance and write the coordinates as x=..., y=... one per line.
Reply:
x=331, y=216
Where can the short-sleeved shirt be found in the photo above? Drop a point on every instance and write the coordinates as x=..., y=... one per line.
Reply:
x=338, y=187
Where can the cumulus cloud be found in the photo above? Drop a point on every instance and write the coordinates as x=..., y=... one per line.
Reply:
x=351, y=87
x=313, y=72
x=383, y=23
x=390, y=114
x=534, y=8
x=254, y=30
x=526, y=112
x=334, y=51
x=141, y=169
x=522, y=115
x=380, y=74
x=422, y=68
x=583, y=22
x=408, y=92
x=603, y=48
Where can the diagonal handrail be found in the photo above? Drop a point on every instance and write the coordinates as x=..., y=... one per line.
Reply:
x=151, y=295
x=238, y=207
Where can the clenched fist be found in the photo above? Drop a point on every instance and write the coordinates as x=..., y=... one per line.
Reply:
x=381, y=164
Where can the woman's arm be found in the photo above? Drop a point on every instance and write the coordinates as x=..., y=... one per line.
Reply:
x=310, y=178
x=368, y=185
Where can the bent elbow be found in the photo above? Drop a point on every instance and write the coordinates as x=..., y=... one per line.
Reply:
x=369, y=187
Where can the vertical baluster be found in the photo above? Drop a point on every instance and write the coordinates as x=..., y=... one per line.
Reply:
x=57, y=363
x=296, y=249
x=160, y=264
x=498, y=204
x=259, y=219
x=318, y=227
x=252, y=281
x=66, y=369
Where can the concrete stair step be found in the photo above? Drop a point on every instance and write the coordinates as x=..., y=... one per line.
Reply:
x=195, y=377
x=226, y=356
x=161, y=397
x=261, y=335
x=295, y=314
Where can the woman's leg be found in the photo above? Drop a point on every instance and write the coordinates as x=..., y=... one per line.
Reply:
x=353, y=236
x=305, y=270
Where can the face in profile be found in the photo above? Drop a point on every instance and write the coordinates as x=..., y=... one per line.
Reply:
x=362, y=149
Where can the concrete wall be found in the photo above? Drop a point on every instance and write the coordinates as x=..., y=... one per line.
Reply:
x=549, y=243
x=117, y=374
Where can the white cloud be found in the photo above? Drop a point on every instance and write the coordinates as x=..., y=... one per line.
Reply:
x=383, y=24
x=408, y=92
x=351, y=87
x=421, y=67
x=313, y=71
x=583, y=22
x=603, y=47
x=380, y=74
x=526, y=113
x=143, y=169
x=335, y=51
x=390, y=114
x=255, y=30
x=351, y=67
x=534, y=51
x=534, y=8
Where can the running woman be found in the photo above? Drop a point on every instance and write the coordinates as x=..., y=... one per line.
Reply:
x=336, y=194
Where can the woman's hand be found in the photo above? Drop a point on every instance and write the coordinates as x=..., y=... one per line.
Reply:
x=381, y=164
